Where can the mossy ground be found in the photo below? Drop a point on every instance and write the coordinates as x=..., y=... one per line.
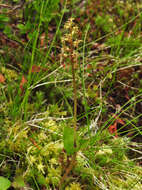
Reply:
x=36, y=94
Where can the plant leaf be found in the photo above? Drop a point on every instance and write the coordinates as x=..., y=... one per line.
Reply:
x=4, y=183
x=37, y=69
x=113, y=129
x=68, y=139
x=2, y=79
x=18, y=182
x=23, y=81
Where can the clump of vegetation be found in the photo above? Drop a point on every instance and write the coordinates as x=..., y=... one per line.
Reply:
x=70, y=95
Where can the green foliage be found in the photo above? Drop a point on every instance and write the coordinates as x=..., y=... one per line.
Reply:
x=18, y=182
x=68, y=139
x=105, y=23
x=35, y=150
x=4, y=183
x=3, y=20
x=24, y=28
x=127, y=45
x=32, y=13
x=39, y=99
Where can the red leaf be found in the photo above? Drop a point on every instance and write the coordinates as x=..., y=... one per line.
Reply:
x=2, y=79
x=23, y=81
x=113, y=129
x=120, y=121
x=37, y=69
x=42, y=40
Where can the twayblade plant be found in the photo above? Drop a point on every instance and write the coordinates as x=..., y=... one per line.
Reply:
x=69, y=55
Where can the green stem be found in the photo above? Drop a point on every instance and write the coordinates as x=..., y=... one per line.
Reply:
x=83, y=80
x=68, y=169
x=72, y=58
